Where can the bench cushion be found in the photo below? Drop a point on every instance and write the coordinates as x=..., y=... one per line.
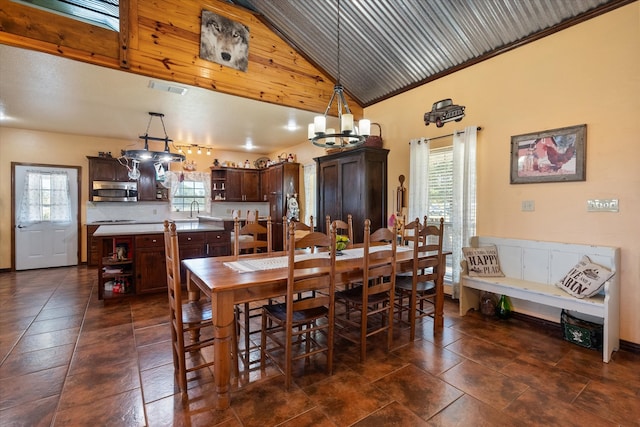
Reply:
x=585, y=279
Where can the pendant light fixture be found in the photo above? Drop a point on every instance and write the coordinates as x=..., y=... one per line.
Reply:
x=156, y=156
x=348, y=135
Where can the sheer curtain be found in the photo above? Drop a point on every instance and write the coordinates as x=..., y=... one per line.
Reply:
x=173, y=179
x=418, y=178
x=45, y=197
x=309, y=178
x=464, y=197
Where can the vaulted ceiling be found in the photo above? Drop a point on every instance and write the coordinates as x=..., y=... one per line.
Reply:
x=387, y=47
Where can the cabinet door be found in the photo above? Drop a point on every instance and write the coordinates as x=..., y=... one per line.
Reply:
x=147, y=182
x=151, y=272
x=150, y=262
x=191, y=245
x=93, y=247
x=251, y=186
x=329, y=194
x=234, y=185
x=217, y=243
x=107, y=169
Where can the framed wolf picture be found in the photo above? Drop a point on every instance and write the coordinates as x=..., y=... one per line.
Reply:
x=224, y=41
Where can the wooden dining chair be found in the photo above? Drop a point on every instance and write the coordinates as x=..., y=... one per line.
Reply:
x=185, y=317
x=250, y=238
x=369, y=307
x=306, y=319
x=417, y=289
x=342, y=227
x=300, y=227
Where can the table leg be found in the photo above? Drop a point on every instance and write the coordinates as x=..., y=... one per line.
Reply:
x=192, y=291
x=438, y=320
x=223, y=318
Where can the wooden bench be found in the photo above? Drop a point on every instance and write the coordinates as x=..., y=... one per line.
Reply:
x=532, y=268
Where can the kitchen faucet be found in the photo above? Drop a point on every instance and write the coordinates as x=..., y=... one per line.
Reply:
x=197, y=206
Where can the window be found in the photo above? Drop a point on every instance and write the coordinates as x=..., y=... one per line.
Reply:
x=188, y=192
x=309, y=194
x=440, y=199
x=186, y=188
x=444, y=181
x=45, y=198
x=104, y=13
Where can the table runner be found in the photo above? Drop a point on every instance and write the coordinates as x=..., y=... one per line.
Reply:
x=272, y=263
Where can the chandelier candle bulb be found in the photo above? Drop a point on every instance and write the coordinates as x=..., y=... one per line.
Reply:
x=364, y=127
x=319, y=124
x=311, y=132
x=347, y=122
x=331, y=139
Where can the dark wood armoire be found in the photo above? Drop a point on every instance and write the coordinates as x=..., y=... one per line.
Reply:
x=353, y=182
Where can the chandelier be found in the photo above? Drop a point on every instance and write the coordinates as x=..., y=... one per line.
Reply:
x=156, y=156
x=348, y=135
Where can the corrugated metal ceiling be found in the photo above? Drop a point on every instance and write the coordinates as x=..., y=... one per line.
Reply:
x=387, y=47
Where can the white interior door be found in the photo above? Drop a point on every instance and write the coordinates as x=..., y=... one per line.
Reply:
x=45, y=243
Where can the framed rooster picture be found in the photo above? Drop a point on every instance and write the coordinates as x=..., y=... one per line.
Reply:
x=556, y=155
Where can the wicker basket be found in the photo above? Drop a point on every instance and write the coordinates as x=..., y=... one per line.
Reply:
x=374, y=140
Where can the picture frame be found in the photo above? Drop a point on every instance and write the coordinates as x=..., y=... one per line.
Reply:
x=224, y=41
x=555, y=155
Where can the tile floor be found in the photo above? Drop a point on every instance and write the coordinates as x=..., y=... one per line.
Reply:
x=69, y=359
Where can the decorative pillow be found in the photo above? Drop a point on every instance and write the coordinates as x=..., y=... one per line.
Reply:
x=585, y=279
x=483, y=261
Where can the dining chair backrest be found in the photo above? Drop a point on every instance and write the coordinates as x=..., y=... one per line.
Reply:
x=342, y=228
x=378, y=267
x=172, y=258
x=299, y=227
x=252, y=216
x=427, y=241
x=321, y=274
x=260, y=237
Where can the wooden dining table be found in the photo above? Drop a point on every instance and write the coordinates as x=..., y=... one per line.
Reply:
x=227, y=286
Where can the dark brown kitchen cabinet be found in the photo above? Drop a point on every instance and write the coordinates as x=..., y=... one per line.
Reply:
x=93, y=247
x=115, y=267
x=149, y=189
x=150, y=263
x=106, y=169
x=242, y=185
x=278, y=181
x=353, y=182
x=110, y=169
x=217, y=243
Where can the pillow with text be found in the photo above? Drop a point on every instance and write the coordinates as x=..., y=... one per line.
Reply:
x=483, y=261
x=585, y=279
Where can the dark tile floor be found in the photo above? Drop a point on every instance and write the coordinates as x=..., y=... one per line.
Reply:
x=69, y=359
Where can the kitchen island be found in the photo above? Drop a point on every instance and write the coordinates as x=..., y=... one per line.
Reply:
x=132, y=258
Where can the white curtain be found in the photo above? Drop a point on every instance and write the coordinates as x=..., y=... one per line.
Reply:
x=309, y=178
x=173, y=179
x=45, y=197
x=418, y=178
x=464, y=197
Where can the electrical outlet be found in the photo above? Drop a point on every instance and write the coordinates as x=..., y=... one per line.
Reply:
x=528, y=206
x=602, y=205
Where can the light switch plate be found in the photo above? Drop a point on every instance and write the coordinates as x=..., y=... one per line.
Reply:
x=528, y=206
x=602, y=205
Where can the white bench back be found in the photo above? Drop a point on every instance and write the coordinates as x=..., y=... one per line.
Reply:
x=546, y=262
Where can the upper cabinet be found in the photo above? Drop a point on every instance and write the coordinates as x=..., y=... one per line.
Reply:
x=235, y=185
x=106, y=169
x=110, y=169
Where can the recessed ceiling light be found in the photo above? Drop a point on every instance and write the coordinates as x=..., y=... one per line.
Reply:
x=165, y=87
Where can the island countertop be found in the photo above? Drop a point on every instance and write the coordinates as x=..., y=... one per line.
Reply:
x=133, y=229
